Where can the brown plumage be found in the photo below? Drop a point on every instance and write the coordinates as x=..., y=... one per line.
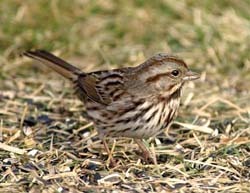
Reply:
x=137, y=102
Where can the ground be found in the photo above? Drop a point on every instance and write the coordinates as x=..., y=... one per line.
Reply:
x=46, y=143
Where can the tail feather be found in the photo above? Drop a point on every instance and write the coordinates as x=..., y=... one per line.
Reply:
x=62, y=67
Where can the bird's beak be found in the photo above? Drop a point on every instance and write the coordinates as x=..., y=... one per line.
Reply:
x=190, y=75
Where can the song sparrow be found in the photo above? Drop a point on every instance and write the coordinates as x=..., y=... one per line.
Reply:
x=136, y=102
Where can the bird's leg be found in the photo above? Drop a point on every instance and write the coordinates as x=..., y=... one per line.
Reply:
x=110, y=160
x=145, y=151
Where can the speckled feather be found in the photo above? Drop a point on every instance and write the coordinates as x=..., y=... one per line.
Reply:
x=136, y=102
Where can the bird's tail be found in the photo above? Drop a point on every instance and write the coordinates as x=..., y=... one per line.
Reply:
x=62, y=67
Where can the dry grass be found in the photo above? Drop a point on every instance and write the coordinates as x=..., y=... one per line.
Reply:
x=48, y=146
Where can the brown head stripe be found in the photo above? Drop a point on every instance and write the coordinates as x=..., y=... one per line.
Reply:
x=166, y=58
x=158, y=59
x=156, y=77
x=177, y=60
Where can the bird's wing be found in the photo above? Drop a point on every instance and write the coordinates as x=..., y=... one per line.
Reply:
x=87, y=84
x=104, y=86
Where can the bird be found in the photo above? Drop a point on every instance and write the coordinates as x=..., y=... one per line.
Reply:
x=135, y=102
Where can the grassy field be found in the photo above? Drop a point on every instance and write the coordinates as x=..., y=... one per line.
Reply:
x=47, y=145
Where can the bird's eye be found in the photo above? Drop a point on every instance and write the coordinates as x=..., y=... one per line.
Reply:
x=175, y=72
